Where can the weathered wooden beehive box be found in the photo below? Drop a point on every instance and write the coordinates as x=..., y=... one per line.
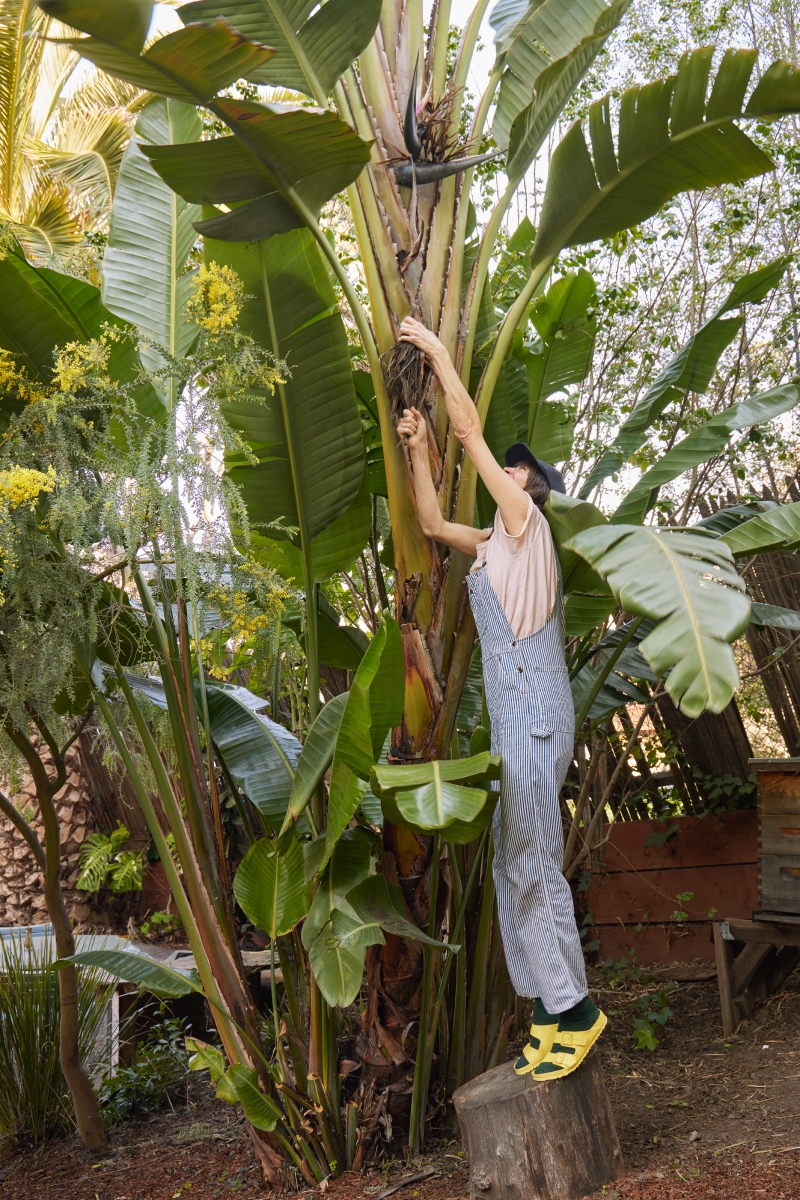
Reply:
x=778, y=781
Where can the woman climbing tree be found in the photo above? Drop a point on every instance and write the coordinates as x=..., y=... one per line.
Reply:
x=516, y=598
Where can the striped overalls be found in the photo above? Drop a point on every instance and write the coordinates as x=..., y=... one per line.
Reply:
x=530, y=705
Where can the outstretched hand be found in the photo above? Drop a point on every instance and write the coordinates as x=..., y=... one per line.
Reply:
x=418, y=335
x=412, y=427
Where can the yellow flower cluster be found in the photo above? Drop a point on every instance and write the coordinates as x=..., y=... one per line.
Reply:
x=23, y=485
x=249, y=623
x=79, y=362
x=8, y=369
x=12, y=377
x=217, y=298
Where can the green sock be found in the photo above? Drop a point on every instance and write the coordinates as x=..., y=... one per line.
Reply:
x=581, y=1016
x=541, y=1016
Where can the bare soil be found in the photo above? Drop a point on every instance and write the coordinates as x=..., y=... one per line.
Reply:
x=699, y=1117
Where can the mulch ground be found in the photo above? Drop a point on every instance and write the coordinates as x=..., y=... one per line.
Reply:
x=700, y=1117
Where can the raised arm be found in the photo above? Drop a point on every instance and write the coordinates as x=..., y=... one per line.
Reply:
x=511, y=499
x=412, y=427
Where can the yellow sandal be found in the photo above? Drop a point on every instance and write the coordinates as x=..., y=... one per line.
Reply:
x=568, y=1050
x=532, y=1055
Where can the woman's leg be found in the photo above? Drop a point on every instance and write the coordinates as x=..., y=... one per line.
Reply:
x=535, y=906
x=522, y=977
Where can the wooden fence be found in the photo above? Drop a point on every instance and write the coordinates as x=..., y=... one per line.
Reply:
x=639, y=874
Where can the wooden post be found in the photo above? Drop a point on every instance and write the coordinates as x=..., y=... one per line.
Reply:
x=724, y=954
x=753, y=960
x=529, y=1140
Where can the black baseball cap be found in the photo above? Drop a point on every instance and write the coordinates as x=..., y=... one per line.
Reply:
x=521, y=452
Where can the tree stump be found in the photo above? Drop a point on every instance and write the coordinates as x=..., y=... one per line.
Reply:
x=528, y=1140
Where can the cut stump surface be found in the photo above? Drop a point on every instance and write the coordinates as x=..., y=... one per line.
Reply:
x=528, y=1140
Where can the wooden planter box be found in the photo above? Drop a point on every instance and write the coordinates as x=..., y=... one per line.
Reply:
x=778, y=783
x=633, y=897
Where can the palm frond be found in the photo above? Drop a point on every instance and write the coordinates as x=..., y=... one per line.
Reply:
x=48, y=227
x=83, y=145
x=58, y=62
x=23, y=28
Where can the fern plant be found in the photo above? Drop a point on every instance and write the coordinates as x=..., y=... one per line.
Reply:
x=103, y=861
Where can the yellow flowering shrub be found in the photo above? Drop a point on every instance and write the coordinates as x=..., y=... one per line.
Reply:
x=23, y=485
x=8, y=369
x=13, y=380
x=217, y=298
x=250, y=610
x=78, y=363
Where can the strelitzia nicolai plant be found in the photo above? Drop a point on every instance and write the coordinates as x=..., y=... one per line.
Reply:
x=397, y=152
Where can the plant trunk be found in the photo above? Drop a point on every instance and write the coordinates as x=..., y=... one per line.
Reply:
x=87, y=1111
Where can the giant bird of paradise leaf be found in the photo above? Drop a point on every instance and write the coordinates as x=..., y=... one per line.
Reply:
x=385, y=135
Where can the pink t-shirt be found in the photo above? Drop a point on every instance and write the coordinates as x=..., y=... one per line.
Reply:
x=522, y=570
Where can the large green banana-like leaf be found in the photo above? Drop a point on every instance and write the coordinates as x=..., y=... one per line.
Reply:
x=140, y=969
x=125, y=23
x=691, y=370
x=778, y=529
x=393, y=780
x=617, y=690
x=340, y=646
x=205, y=1058
x=688, y=582
x=261, y=1112
x=615, y=693
x=337, y=969
x=704, y=442
x=670, y=140
x=725, y=519
x=42, y=310
x=566, y=516
x=259, y=754
x=551, y=430
x=347, y=866
x=566, y=323
x=335, y=549
x=375, y=701
x=374, y=706
x=548, y=52
x=274, y=159
x=192, y=64
x=286, y=165
x=270, y=886
x=450, y=796
x=307, y=436
x=310, y=52
x=774, y=616
x=584, y=612
x=150, y=239
x=378, y=906
x=529, y=37
x=315, y=757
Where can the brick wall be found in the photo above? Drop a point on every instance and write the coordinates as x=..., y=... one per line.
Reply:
x=89, y=801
